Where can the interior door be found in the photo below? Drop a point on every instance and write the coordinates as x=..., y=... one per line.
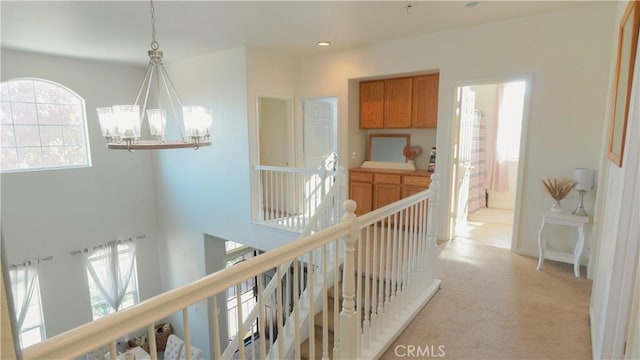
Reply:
x=319, y=130
x=466, y=106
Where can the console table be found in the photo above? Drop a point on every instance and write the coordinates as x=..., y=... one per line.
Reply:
x=566, y=219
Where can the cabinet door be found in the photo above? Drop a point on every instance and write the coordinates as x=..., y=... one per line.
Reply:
x=409, y=190
x=397, y=103
x=425, y=101
x=384, y=194
x=362, y=194
x=372, y=105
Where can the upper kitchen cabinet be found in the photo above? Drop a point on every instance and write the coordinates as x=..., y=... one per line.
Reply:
x=372, y=104
x=399, y=103
x=424, y=111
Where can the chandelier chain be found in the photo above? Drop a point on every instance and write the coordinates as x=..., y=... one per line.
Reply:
x=154, y=42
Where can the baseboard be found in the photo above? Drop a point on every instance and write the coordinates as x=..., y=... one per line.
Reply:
x=394, y=330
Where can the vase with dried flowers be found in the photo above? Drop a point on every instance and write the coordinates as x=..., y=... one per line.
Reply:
x=558, y=189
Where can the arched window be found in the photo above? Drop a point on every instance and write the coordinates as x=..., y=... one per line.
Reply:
x=42, y=126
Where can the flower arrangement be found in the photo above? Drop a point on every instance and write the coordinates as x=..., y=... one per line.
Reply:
x=411, y=152
x=558, y=189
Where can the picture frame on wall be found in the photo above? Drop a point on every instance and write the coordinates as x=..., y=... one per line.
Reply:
x=627, y=48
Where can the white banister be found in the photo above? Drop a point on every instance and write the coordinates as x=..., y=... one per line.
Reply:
x=386, y=262
x=289, y=197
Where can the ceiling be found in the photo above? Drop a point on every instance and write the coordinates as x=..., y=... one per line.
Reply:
x=121, y=31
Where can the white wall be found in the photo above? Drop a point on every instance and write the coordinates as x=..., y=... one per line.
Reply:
x=566, y=53
x=613, y=242
x=51, y=213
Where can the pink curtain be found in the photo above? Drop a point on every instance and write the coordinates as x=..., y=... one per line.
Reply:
x=497, y=166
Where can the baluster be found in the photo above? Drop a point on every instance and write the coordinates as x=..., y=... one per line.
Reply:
x=382, y=277
x=387, y=273
x=241, y=332
x=310, y=292
x=366, y=277
x=375, y=280
x=394, y=263
x=279, y=322
x=113, y=350
x=271, y=195
x=296, y=307
x=358, y=279
x=325, y=304
x=187, y=332
x=151, y=335
x=216, y=327
x=336, y=301
x=262, y=317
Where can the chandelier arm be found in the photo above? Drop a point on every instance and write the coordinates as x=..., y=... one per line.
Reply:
x=146, y=95
x=144, y=82
x=166, y=80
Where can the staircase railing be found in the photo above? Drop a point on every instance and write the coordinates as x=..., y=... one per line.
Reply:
x=387, y=276
x=290, y=196
x=327, y=214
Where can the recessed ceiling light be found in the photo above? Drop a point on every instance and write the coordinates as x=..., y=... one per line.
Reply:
x=323, y=43
x=471, y=4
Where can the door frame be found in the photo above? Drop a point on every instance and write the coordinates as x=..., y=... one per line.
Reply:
x=254, y=146
x=528, y=78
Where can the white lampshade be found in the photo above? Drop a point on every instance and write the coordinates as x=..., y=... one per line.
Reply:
x=197, y=121
x=157, y=122
x=128, y=121
x=584, y=178
x=107, y=122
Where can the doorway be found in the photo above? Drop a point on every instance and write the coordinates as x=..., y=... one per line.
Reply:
x=487, y=156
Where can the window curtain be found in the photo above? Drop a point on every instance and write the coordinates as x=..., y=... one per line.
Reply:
x=110, y=272
x=24, y=280
x=497, y=166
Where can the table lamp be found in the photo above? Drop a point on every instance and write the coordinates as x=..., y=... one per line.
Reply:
x=584, y=179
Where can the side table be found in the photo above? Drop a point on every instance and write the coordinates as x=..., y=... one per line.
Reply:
x=566, y=219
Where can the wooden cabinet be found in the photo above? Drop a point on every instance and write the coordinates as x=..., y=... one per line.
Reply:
x=424, y=111
x=374, y=188
x=397, y=103
x=372, y=104
x=400, y=103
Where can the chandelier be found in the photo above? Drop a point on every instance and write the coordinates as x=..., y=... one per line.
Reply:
x=121, y=124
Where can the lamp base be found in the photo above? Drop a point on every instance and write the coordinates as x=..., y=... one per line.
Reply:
x=579, y=211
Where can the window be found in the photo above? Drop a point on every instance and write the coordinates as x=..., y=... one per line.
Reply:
x=42, y=126
x=112, y=276
x=510, y=117
x=247, y=296
x=25, y=288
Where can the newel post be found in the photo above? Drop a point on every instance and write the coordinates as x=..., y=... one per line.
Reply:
x=348, y=317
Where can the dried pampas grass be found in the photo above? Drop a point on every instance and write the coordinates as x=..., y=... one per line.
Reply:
x=558, y=188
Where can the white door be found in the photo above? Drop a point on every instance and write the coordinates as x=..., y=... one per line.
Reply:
x=319, y=130
x=466, y=106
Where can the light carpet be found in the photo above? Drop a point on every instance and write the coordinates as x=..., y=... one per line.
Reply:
x=494, y=304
